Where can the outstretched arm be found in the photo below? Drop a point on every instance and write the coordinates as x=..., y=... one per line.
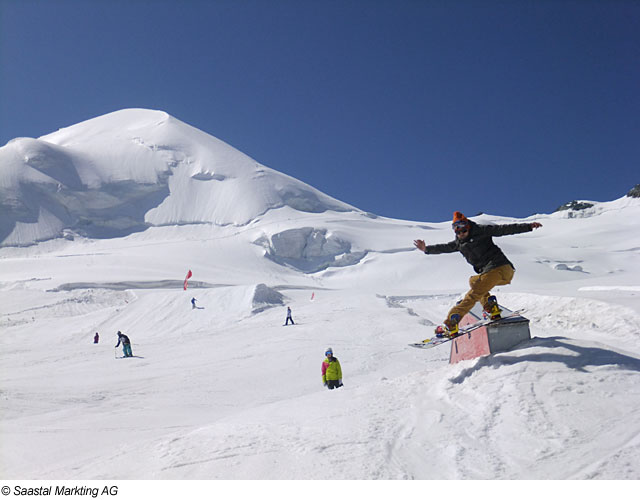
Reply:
x=436, y=249
x=507, y=229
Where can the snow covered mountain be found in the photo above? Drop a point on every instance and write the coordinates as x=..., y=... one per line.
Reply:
x=224, y=391
x=133, y=169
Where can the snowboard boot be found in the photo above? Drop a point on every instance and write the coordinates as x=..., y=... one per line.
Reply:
x=449, y=328
x=492, y=308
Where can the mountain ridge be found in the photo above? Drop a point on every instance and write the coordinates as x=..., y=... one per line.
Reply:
x=132, y=169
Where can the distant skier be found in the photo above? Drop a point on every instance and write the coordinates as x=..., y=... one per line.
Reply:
x=193, y=303
x=289, y=318
x=126, y=344
x=331, y=371
x=474, y=242
x=96, y=338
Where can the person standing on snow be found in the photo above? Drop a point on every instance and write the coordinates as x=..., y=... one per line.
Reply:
x=475, y=243
x=96, y=338
x=289, y=318
x=331, y=371
x=193, y=303
x=126, y=344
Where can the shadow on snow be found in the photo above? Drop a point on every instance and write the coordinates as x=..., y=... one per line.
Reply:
x=580, y=358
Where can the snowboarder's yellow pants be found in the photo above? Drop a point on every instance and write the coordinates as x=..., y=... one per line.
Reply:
x=481, y=285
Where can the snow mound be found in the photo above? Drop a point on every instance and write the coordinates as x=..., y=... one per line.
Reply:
x=128, y=170
x=265, y=297
x=571, y=314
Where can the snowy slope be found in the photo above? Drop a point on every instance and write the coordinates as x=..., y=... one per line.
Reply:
x=225, y=391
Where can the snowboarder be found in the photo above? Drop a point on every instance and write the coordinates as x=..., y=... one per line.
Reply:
x=475, y=243
x=331, y=371
x=126, y=344
x=96, y=338
x=289, y=318
x=193, y=303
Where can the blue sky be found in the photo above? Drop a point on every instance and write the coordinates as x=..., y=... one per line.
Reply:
x=404, y=108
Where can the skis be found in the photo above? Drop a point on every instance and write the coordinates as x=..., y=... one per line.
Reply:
x=434, y=341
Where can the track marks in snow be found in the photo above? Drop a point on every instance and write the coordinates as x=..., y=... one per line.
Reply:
x=427, y=309
x=543, y=399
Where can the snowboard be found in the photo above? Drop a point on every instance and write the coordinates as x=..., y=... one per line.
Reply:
x=435, y=341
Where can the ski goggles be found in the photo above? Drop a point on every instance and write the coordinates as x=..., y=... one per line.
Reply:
x=461, y=224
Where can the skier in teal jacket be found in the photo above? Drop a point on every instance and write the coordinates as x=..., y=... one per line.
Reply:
x=126, y=344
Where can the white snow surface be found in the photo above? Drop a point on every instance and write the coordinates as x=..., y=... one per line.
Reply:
x=225, y=391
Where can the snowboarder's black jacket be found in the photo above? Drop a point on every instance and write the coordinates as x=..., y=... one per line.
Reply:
x=478, y=248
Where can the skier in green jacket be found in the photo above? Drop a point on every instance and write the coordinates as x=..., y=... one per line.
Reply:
x=331, y=371
x=475, y=243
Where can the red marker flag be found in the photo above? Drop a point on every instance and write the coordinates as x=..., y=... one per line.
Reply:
x=189, y=274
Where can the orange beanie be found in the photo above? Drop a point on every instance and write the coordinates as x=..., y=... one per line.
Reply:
x=458, y=217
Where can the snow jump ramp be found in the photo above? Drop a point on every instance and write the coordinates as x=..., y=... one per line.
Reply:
x=488, y=339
